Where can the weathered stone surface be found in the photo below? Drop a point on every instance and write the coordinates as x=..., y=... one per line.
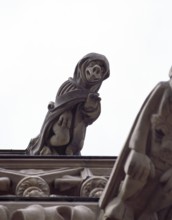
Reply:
x=52, y=184
x=53, y=177
x=4, y=213
x=40, y=183
x=4, y=184
x=77, y=105
x=93, y=187
x=54, y=212
x=140, y=186
x=69, y=187
x=32, y=186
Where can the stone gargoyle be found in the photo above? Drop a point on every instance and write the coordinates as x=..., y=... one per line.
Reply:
x=140, y=186
x=76, y=106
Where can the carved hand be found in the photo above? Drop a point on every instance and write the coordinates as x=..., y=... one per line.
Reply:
x=92, y=100
x=139, y=166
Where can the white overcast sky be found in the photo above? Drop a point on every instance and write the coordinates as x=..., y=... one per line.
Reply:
x=41, y=41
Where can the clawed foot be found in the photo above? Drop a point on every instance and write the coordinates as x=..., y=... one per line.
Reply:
x=118, y=210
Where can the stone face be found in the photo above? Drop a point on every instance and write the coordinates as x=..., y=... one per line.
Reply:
x=140, y=186
x=77, y=105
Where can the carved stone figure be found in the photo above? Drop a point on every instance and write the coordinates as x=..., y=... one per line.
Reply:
x=76, y=106
x=140, y=187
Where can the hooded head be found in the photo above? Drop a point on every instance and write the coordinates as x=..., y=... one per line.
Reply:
x=91, y=70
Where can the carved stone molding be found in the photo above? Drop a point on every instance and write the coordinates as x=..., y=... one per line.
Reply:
x=52, y=182
x=59, y=182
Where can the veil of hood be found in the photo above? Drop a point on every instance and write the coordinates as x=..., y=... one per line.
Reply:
x=79, y=81
x=79, y=73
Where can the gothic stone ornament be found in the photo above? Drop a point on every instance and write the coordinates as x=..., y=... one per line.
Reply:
x=140, y=186
x=77, y=105
x=32, y=186
x=93, y=187
x=66, y=181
